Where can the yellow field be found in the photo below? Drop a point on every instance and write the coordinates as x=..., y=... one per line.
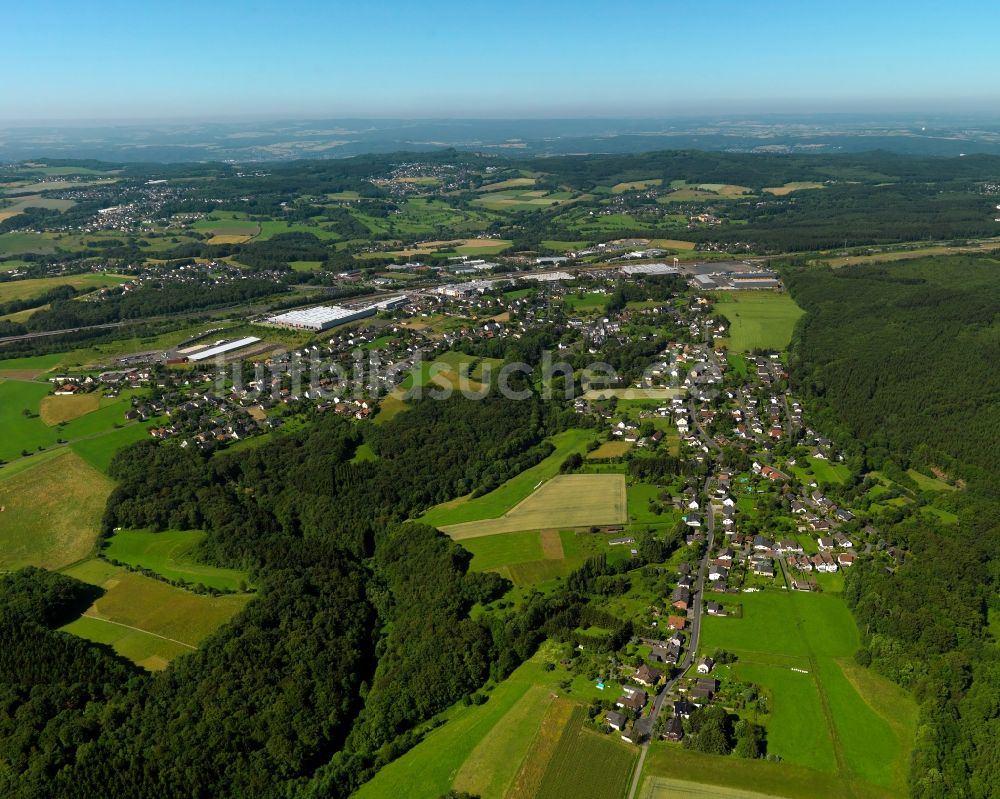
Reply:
x=905, y=255
x=512, y=183
x=147, y=620
x=50, y=513
x=26, y=289
x=725, y=189
x=635, y=185
x=18, y=204
x=52, y=185
x=20, y=316
x=788, y=188
x=53, y=410
x=473, y=246
x=632, y=393
x=571, y=500
x=672, y=244
x=543, y=747
x=228, y=239
x=610, y=449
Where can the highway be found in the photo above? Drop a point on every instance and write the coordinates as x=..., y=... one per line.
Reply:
x=695, y=630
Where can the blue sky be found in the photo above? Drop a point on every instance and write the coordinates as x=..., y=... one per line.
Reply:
x=106, y=59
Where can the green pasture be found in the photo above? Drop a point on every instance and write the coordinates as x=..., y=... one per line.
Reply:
x=758, y=319
x=172, y=554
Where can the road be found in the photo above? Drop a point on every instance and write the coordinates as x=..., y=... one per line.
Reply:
x=692, y=647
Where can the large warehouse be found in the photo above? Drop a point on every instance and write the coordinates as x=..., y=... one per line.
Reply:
x=320, y=317
x=222, y=349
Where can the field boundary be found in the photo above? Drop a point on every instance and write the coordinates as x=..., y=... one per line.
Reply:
x=138, y=630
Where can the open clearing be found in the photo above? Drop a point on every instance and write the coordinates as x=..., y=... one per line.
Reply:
x=917, y=252
x=502, y=749
x=788, y=188
x=512, y=183
x=610, y=449
x=572, y=500
x=50, y=513
x=758, y=319
x=635, y=185
x=632, y=393
x=170, y=554
x=146, y=620
x=20, y=204
x=22, y=431
x=822, y=471
x=28, y=289
x=506, y=496
x=53, y=409
x=514, y=710
x=459, y=246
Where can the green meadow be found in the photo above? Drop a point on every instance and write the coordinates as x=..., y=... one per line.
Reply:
x=821, y=470
x=171, y=554
x=23, y=431
x=758, y=319
x=827, y=714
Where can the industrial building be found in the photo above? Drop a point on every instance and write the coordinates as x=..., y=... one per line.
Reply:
x=222, y=349
x=650, y=269
x=321, y=317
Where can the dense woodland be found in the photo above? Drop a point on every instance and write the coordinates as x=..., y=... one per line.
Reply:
x=897, y=362
x=360, y=631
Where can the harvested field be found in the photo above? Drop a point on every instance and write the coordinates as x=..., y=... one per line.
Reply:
x=573, y=500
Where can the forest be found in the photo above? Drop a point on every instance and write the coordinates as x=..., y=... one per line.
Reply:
x=360, y=631
x=895, y=361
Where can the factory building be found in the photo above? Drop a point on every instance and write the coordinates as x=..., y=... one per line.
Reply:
x=321, y=317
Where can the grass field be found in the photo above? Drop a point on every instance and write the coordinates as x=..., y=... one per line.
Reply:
x=458, y=246
x=28, y=289
x=506, y=496
x=502, y=749
x=53, y=409
x=99, y=451
x=429, y=770
x=666, y=788
x=673, y=244
x=758, y=319
x=610, y=449
x=925, y=483
x=493, y=551
x=635, y=185
x=586, y=763
x=823, y=471
x=788, y=188
x=572, y=500
x=672, y=768
x=146, y=620
x=511, y=183
x=594, y=301
x=50, y=513
x=518, y=199
x=21, y=431
x=836, y=718
x=19, y=204
x=632, y=393
x=908, y=254
x=171, y=554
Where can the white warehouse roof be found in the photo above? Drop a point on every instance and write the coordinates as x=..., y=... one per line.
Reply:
x=219, y=349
